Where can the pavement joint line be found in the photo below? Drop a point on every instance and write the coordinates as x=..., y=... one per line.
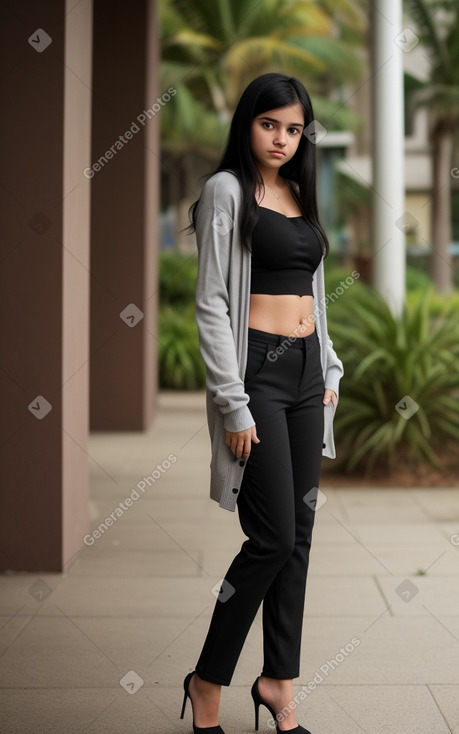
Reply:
x=85, y=635
x=360, y=543
x=164, y=713
x=437, y=559
x=441, y=623
x=58, y=578
x=437, y=704
x=179, y=634
x=418, y=502
x=342, y=505
x=381, y=591
x=178, y=544
x=27, y=620
x=11, y=616
x=99, y=715
x=194, y=434
x=348, y=714
x=378, y=618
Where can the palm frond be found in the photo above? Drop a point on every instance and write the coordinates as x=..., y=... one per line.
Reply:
x=389, y=362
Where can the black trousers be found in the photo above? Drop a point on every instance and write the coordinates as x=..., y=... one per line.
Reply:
x=276, y=510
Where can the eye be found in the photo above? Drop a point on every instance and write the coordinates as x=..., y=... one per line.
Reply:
x=293, y=130
x=265, y=122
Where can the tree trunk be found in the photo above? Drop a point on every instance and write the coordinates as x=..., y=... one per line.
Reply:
x=441, y=259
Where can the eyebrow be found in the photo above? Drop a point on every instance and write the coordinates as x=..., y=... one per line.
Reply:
x=291, y=124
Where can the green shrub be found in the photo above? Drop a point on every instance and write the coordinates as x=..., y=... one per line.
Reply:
x=177, y=277
x=439, y=304
x=417, y=279
x=180, y=363
x=386, y=359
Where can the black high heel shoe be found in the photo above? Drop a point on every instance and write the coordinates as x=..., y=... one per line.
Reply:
x=197, y=729
x=259, y=701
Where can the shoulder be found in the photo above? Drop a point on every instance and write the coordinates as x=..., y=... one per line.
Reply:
x=220, y=189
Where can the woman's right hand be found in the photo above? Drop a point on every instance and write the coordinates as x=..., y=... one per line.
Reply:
x=240, y=442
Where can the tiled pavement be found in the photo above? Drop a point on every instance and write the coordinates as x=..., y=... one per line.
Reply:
x=135, y=605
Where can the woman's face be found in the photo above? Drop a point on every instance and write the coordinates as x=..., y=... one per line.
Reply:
x=276, y=134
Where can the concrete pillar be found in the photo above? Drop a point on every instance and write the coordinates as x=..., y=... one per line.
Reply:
x=44, y=287
x=124, y=174
x=389, y=219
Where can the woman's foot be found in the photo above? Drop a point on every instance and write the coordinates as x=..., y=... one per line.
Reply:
x=205, y=699
x=279, y=693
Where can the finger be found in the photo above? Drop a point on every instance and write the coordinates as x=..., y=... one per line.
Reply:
x=254, y=436
x=327, y=396
x=246, y=449
x=240, y=448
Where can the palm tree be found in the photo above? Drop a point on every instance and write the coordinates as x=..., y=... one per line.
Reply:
x=211, y=50
x=438, y=30
x=216, y=48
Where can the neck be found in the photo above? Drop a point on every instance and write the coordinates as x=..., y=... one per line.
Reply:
x=271, y=178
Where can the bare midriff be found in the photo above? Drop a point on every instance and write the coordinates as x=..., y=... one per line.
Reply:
x=287, y=315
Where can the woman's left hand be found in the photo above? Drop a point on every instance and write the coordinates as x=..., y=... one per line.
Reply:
x=330, y=395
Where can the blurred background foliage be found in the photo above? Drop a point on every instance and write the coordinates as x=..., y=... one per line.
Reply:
x=392, y=361
x=210, y=51
x=386, y=358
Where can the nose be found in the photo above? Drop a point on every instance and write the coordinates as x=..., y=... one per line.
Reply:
x=280, y=137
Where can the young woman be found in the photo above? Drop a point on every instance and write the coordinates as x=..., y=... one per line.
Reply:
x=272, y=385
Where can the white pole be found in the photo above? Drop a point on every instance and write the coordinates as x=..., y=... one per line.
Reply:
x=389, y=219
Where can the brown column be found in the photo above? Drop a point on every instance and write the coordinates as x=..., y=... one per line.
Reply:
x=124, y=203
x=44, y=287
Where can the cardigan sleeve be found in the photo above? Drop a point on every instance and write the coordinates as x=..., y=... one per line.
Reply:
x=214, y=228
x=333, y=368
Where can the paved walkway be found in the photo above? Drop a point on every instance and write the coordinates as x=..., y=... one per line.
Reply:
x=381, y=630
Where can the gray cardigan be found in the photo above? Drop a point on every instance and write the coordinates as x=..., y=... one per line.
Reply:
x=222, y=304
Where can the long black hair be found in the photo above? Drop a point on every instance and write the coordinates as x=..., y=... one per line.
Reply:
x=268, y=92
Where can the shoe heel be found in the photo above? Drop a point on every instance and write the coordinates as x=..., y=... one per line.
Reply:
x=186, y=688
x=257, y=711
x=196, y=729
x=185, y=696
x=259, y=701
x=256, y=703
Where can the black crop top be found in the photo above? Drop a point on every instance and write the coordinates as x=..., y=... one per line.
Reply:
x=285, y=253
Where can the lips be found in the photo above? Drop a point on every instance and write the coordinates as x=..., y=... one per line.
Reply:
x=277, y=153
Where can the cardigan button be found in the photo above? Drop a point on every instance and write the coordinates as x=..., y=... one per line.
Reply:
x=324, y=445
x=235, y=490
x=241, y=463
